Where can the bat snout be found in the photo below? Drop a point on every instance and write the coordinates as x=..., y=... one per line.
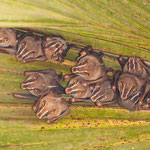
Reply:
x=123, y=96
x=42, y=113
x=28, y=85
x=19, y=57
x=74, y=69
x=68, y=90
x=79, y=69
x=39, y=115
x=23, y=86
x=94, y=97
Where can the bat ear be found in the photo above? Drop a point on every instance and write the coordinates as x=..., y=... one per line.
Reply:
x=59, y=90
x=47, y=38
x=60, y=76
x=89, y=48
x=28, y=73
x=101, y=54
x=116, y=75
x=29, y=33
x=68, y=76
x=45, y=92
x=85, y=51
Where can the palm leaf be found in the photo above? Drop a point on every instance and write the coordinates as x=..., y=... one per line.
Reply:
x=120, y=27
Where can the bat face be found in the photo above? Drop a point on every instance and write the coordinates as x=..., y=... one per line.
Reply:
x=137, y=99
x=130, y=103
x=55, y=48
x=103, y=92
x=89, y=68
x=51, y=106
x=135, y=66
x=37, y=83
x=76, y=89
x=147, y=100
x=129, y=85
x=133, y=84
x=29, y=48
x=7, y=37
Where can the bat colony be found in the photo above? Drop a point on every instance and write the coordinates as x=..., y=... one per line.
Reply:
x=89, y=82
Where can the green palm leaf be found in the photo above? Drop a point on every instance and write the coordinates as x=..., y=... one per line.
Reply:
x=120, y=27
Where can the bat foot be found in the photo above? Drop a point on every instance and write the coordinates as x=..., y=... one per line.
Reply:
x=72, y=100
x=99, y=104
x=48, y=121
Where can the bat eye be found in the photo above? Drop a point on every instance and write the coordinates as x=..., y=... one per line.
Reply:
x=43, y=103
x=80, y=92
x=85, y=62
x=55, y=56
x=126, y=69
x=5, y=39
x=139, y=69
x=34, y=77
x=75, y=81
x=120, y=84
x=58, y=45
x=106, y=97
x=48, y=38
x=36, y=90
x=98, y=86
x=91, y=87
x=23, y=44
x=33, y=54
x=52, y=112
x=134, y=89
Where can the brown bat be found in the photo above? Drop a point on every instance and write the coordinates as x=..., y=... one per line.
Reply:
x=42, y=80
x=138, y=100
x=44, y=87
x=136, y=66
x=132, y=90
x=103, y=93
x=8, y=40
x=99, y=92
x=7, y=37
x=77, y=90
x=29, y=49
x=51, y=106
x=55, y=48
x=90, y=65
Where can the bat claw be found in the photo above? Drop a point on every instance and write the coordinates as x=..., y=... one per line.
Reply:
x=99, y=104
x=72, y=100
x=34, y=108
x=48, y=121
